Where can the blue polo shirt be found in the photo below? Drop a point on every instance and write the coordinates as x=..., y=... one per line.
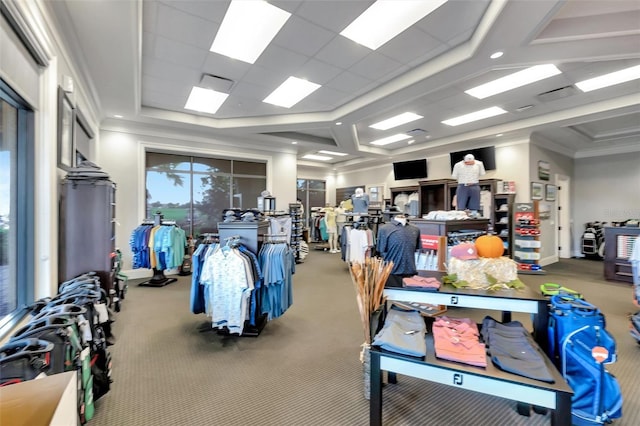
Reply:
x=398, y=243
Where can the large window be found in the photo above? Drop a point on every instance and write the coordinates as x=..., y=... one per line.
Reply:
x=312, y=193
x=194, y=191
x=16, y=206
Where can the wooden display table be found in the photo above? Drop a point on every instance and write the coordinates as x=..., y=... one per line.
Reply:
x=492, y=381
x=48, y=401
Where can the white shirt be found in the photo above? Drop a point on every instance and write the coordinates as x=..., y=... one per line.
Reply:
x=468, y=173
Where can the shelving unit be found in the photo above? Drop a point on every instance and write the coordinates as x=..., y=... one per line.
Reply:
x=526, y=238
x=502, y=214
x=297, y=228
x=404, y=190
x=555, y=396
x=436, y=195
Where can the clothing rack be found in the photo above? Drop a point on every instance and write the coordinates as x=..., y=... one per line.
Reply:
x=260, y=320
x=158, y=279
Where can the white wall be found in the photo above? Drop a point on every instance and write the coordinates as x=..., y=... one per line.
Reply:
x=606, y=189
x=558, y=165
x=283, y=180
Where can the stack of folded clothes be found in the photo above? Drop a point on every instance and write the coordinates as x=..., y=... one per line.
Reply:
x=423, y=282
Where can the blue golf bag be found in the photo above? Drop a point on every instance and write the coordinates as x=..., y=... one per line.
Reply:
x=597, y=398
x=567, y=313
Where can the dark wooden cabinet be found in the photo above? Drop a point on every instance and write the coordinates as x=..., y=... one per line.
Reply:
x=402, y=190
x=618, y=244
x=87, y=229
x=436, y=195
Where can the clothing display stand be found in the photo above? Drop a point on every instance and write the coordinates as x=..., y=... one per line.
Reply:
x=158, y=279
x=555, y=396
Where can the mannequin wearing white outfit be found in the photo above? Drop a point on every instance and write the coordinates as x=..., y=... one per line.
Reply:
x=332, y=228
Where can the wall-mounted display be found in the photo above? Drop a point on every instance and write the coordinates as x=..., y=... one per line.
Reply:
x=550, y=192
x=537, y=191
x=544, y=170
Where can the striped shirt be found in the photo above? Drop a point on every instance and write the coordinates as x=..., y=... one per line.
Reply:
x=468, y=173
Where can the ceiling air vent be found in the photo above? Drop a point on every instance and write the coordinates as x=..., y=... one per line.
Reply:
x=524, y=108
x=555, y=94
x=416, y=133
x=217, y=83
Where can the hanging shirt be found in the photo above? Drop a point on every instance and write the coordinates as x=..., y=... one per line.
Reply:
x=398, y=243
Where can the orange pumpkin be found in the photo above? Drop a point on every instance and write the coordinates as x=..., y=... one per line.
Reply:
x=489, y=246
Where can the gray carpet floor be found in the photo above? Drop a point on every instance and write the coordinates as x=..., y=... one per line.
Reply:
x=304, y=369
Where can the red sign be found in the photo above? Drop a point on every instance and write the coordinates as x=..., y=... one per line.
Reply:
x=429, y=242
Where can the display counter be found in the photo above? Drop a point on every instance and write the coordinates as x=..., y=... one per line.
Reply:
x=618, y=244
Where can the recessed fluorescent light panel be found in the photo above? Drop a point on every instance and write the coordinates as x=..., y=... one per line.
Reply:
x=205, y=100
x=392, y=122
x=474, y=116
x=385, y=19
x=247, y=29
x=316, y=157
x=610, y=79
x=512, y=81
x=390, y=139
x=338, y=154
x=292, y=91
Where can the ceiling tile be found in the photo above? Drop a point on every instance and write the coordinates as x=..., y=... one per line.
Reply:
x=179, y=53
x=303, y=36
x=265, y=77
x=318, y=71
x=342, y=52
x=329, y=97
x=278, y=58
x=166, y=70
x=251, y=91
x=349, y=83
x=374, y=66
x=210, y=10
x=189, y=29
x=333, y=15
x=441, y=24
x=409, y=46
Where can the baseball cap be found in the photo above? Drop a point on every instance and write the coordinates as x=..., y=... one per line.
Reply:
x=464, y=251
x=469, y=157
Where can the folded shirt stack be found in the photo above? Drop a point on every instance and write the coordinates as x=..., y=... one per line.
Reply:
x=423, y=282
x=458, y=339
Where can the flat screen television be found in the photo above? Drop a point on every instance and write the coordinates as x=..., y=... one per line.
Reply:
x=487, y=155
x=414, y=169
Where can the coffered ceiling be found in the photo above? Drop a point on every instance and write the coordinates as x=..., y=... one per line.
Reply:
x=143, y=57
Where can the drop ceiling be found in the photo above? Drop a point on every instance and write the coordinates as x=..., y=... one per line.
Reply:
x=143, y=57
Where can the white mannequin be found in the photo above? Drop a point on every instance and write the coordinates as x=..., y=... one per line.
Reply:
x=332, y=229
x=401, y=219
x=360, y=201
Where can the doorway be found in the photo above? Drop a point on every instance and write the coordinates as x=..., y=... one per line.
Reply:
x=564, y=216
